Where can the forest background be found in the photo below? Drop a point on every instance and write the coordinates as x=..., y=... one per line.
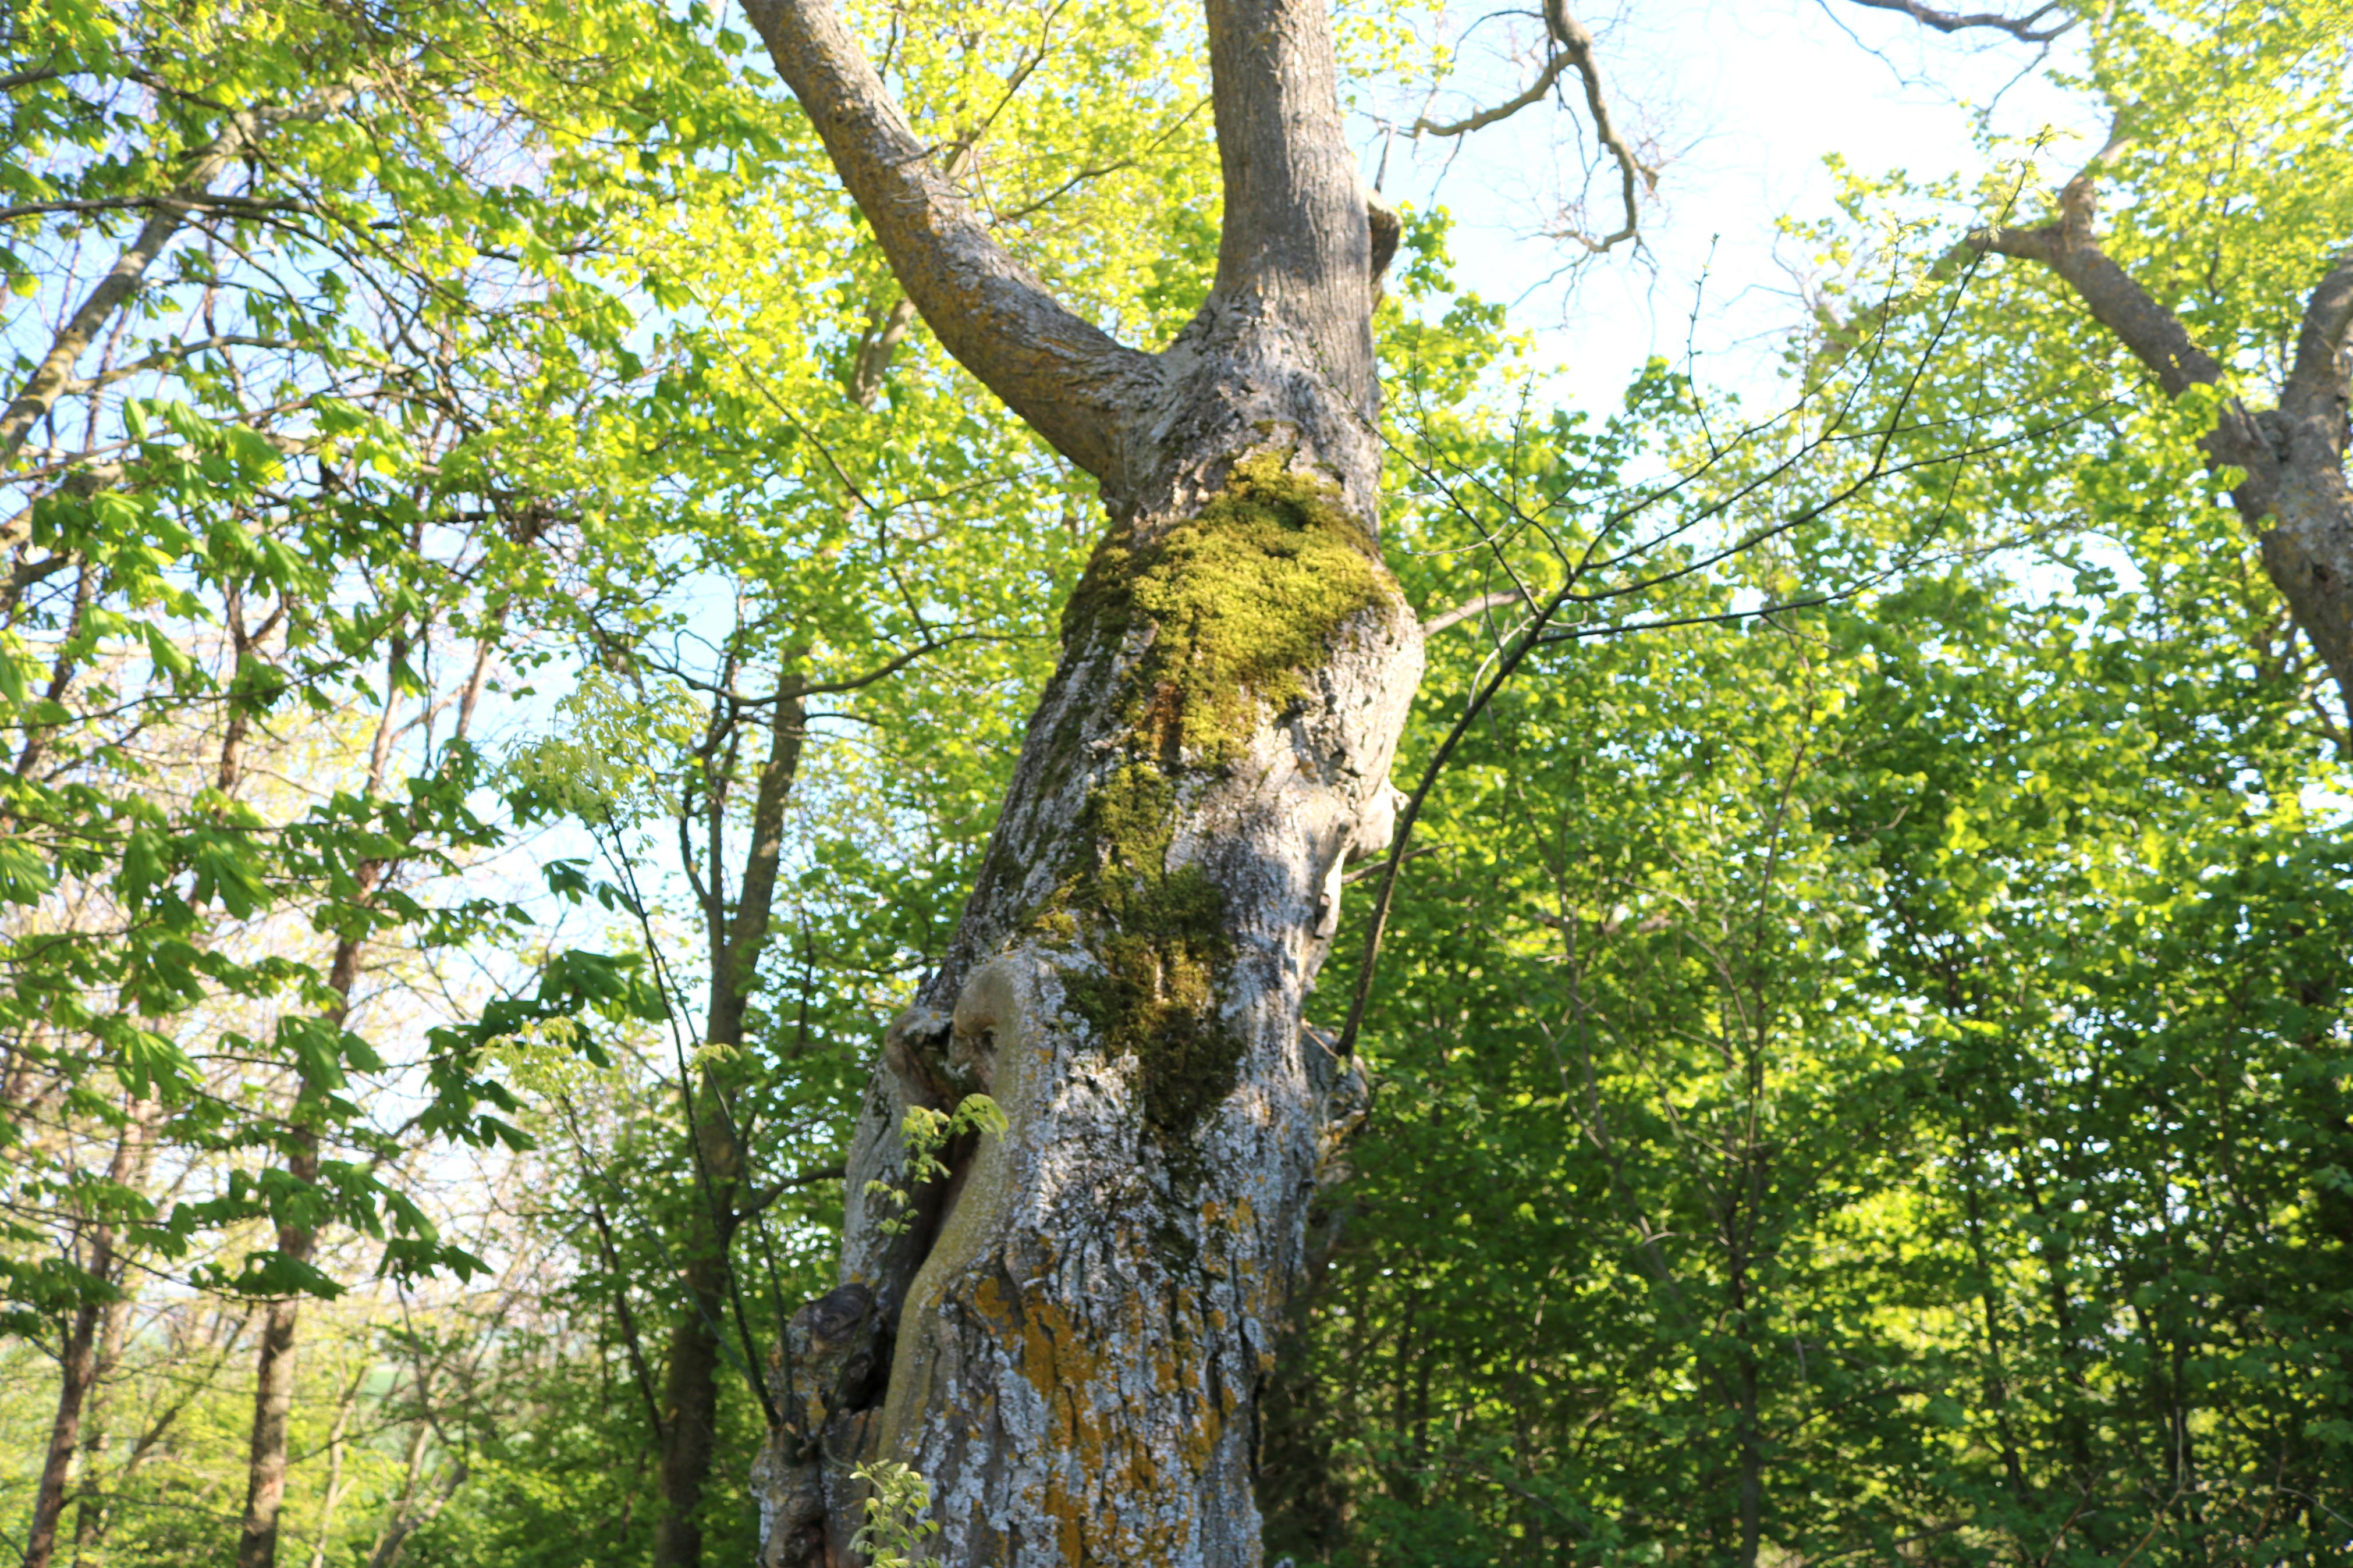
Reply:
x=515, y=634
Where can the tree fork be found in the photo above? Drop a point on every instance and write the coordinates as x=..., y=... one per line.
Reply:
x=2293, y=496
x=1069, y=1342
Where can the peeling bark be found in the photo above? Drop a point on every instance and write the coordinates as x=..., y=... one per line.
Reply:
x=1070, y=1340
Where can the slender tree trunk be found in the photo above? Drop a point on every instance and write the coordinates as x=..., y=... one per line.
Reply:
x=274, y=1366
x=1071, y=1348
x=80, y=1363
x=74, y=1368
x=336, y=1438
x=90, y=1505
x=689, y=1425
x=273, y=1392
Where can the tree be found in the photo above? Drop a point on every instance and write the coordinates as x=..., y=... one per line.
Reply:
x=2225, y=273
x=277, y=483
x=1077, y=1327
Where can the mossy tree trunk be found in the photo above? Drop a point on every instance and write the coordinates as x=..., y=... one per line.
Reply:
x=1069, y=1342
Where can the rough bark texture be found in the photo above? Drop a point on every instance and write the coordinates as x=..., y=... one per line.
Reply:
x=2294, y=497
x=1069, y=1340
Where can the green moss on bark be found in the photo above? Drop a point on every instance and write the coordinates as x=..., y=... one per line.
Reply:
x=1159, y=937
x=1243, y=602
x=1243, y=599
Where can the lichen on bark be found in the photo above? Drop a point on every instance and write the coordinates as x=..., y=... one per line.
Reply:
x=1237, y=606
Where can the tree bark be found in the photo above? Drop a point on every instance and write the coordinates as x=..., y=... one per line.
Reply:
x=1070, y=1343
x=274, y=1368
x=79, y=1364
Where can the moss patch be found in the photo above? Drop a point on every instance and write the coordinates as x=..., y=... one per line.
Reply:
x=1243, y=600
x=1161, y=940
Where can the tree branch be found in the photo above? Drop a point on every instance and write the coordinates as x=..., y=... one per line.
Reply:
x=2022, y=28
x=1295, y=241
x=48, y=379
x=1577, y=44
x=1480, y=120
x=2317, y=383
x=1571, y=45
x=1067, y=379
x=1478, y=606
x=2149, y=333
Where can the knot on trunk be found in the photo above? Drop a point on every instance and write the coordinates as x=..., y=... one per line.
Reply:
x=827, y=1376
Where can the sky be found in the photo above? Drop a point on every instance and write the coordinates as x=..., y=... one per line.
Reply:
x=1746, y=101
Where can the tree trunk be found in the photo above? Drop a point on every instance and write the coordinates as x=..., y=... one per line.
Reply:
x=80, y=1363
x=1069, y=1344
x=273, y=1383
x=689, y=1426
x=274, y=1368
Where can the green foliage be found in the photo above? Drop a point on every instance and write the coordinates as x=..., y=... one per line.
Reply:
x=1869, y=1084
x=925, y=1132
x=1866, y=1080
x=895, y=1526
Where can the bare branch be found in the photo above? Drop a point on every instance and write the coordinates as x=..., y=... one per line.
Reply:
x=1483, y=117
x=1570, y=45
x=1478, y=606
x=2026, y=29
x=1577, y=44
x=1072, y=383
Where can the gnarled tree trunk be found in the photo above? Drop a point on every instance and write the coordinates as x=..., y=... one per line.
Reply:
x=1070, y=1340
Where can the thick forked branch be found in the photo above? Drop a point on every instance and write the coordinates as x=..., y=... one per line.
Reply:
x=1069, y=381
x=2316, y=385
x=2028, y=28
x=1571, y=44
x=2149, y=333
